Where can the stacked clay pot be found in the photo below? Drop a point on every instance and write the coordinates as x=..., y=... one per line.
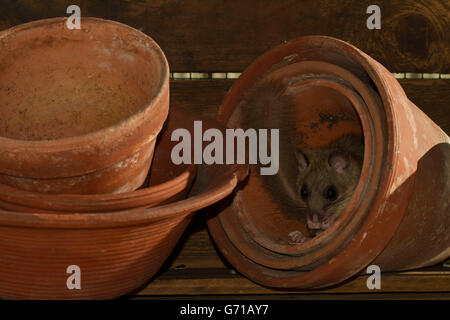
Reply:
x=116, y=251
x=81, y=109
x=86, y=177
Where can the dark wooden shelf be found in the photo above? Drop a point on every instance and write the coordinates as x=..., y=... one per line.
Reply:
x=196, y=269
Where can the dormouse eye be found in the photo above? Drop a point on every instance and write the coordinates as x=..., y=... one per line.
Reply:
x=304, y=192
x=330, y=193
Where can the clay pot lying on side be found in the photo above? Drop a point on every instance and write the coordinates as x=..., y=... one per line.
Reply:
x=167, y=182
x=116, y=252
x=80, y=109
x=397, y=217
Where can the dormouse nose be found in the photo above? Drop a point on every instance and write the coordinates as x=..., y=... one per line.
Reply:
x=317, y=215
x=316, y=204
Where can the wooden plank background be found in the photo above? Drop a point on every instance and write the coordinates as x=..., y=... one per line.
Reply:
x=432, y=96
x=223, y=35
x=226, y=36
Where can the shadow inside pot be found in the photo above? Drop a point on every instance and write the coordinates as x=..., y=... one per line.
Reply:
x=310, y=111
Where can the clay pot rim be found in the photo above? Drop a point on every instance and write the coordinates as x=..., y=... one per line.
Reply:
x=350, y=212
x=123, y=218
x=343, y=229
x=150, y=192
x=337, y=269
x=96, y=137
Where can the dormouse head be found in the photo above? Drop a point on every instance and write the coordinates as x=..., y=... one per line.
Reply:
x=326, y=180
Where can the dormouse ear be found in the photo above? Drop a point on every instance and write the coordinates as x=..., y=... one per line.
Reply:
x=303, y=161
x=338, y=161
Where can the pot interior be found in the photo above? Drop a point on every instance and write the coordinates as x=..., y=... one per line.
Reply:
x=57, y=83
x=309, y=113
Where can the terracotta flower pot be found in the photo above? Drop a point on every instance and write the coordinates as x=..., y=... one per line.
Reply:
x=80, y=109
x=395, y=218
x=167, y=182
x=117, y=252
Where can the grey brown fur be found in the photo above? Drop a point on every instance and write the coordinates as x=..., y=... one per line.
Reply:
x=338, y=167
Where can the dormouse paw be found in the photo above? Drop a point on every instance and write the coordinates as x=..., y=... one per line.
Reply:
x=298, y=237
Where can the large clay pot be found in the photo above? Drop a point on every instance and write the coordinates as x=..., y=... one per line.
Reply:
x=117, y=252
x=80, y=109
x=398, y=216
x=167, y=182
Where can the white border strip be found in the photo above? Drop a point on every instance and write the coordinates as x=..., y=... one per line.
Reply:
x=235, y=75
